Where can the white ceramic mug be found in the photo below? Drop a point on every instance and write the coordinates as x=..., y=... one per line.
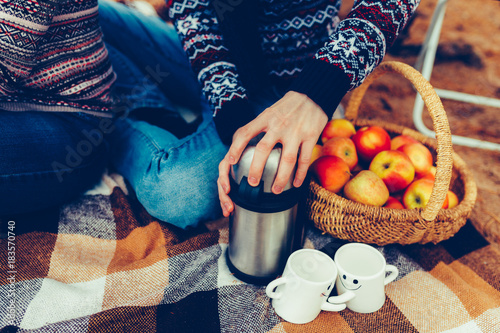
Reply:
x=362, y=277
x=302, y=291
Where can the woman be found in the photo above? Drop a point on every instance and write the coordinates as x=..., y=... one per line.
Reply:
x=55, y=102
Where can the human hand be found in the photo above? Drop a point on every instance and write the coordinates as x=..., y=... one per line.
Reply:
x=296, y=122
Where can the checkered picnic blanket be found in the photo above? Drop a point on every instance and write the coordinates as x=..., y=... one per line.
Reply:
x=102, y=264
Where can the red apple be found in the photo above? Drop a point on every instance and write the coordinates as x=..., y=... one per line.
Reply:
x=370, y=141
x=343, y=148
x=316, y=153
x=418, y=193
x=393, y=203
x=332, y=172
x=400, y=140
x=398, y=195
x=452, y=199
x=357, y=169
x=367, y=188
x=420, y=156
x=337, y=128
x=431, y=174
x=395, y=169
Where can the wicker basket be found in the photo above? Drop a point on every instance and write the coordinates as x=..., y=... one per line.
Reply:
x=349, y=220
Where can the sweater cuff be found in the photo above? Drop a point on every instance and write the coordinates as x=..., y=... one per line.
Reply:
x=232, y=115
x=324, y=83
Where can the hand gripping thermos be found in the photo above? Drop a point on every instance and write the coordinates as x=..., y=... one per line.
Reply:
x=264, y=228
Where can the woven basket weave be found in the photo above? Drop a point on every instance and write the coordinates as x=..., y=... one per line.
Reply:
x=349, y=220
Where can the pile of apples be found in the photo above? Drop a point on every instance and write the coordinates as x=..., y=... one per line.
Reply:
x=369, y=167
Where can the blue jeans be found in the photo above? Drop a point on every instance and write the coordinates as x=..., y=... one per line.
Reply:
x=48, y=158
x=174, y=176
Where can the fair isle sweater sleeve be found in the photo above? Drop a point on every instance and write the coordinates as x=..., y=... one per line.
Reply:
x=197, y=25
x=353, y=51
x=21, y=27
x=53, y=58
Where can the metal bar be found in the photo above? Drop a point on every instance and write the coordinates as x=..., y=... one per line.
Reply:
x=468, y=98
x=425, y=63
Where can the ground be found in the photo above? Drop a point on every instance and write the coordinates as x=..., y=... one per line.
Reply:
x=467, y=61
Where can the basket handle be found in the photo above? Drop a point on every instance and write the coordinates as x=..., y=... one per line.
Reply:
x=444, y=161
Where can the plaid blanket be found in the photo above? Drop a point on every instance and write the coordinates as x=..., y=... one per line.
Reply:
x=102, y=264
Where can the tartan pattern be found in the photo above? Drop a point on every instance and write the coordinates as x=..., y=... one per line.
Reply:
x=103, y=264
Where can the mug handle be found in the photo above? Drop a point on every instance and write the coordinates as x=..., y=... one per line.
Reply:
x=273, y=284
x=332, y=307
x=338, y=300
x=345, y=297
x=393, y=270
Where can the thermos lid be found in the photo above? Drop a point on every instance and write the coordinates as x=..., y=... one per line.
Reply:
x=240, y=170
x=260, y=198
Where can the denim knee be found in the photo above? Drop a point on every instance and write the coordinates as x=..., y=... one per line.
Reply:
x=179, y=185
x=182, y=194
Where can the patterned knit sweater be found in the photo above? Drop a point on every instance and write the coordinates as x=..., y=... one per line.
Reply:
x=303, y=45
x=52, y=57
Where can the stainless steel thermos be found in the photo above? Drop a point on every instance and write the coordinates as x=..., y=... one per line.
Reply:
x=263, y=229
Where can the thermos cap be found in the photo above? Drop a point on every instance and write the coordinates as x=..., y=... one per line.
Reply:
x=240, y=170
x=260, y=198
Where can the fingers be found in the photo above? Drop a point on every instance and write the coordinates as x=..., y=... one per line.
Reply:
x=223, y=180
x=225, y=202
x=261, y=154
x=296, y=122
x=240, y=141
x=304, y=161
x=241, y=138
x=286, y=166
x=223, y=187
